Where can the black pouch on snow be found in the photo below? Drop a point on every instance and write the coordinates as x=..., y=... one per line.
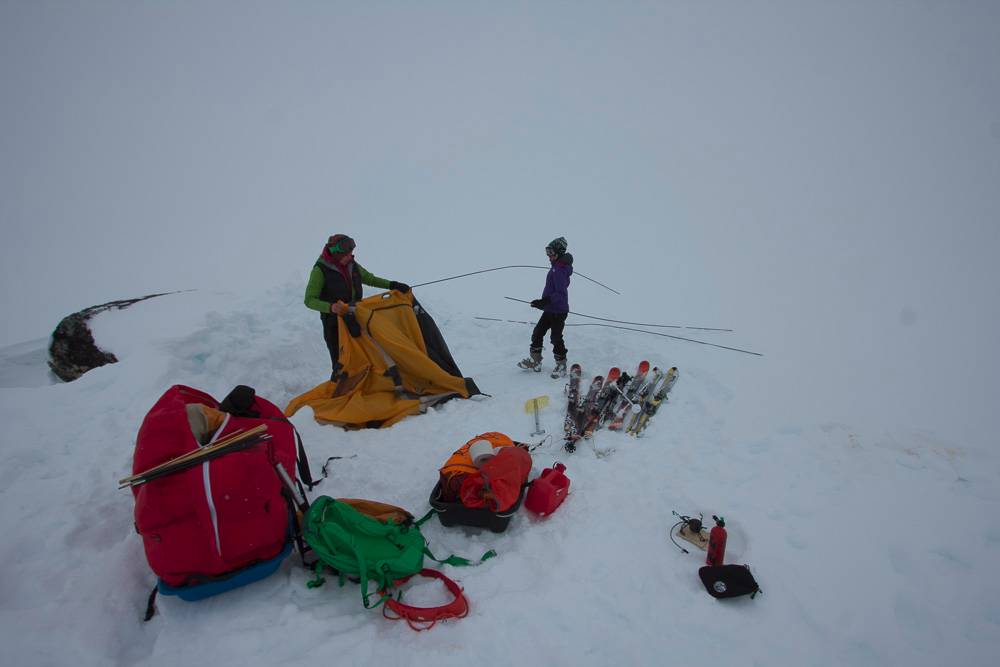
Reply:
x=728, y=581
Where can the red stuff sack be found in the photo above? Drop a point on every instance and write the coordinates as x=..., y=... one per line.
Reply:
x=497, y=486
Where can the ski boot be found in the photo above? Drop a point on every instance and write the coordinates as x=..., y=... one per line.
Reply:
x=533, y=362
x=560, y=370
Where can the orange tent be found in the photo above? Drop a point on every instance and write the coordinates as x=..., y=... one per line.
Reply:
x=398, y=366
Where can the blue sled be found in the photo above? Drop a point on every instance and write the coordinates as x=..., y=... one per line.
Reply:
x=235, y=580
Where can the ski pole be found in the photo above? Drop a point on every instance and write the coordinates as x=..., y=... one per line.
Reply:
x=638, y=324
x=512, y=266
x=297, y=498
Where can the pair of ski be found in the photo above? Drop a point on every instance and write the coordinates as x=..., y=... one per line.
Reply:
x=613, y=399
x=649, y=397
x=583, y=412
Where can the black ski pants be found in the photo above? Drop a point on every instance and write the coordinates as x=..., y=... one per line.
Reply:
x=330, y=336
x=554, y=322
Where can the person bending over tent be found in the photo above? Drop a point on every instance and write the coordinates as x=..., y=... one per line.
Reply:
x=334, y=283
x=392, y=362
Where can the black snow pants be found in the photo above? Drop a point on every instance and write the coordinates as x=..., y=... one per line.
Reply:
x=556, y=322
x=330, y=336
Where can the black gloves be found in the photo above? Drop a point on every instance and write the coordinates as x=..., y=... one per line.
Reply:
x=399, y=287
x=353, y=327
x=540, y=303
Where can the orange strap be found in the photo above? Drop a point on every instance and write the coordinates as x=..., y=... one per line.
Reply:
x=457, y=608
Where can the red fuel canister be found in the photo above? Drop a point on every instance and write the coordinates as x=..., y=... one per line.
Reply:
x=548, y=491
x=717, y=542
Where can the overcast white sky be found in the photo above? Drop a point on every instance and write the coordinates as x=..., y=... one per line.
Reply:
x=822, y=177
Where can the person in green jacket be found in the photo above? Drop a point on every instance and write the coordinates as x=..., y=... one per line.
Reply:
x=334, y=285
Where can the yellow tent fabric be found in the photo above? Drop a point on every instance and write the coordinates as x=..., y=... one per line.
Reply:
x=397, y=367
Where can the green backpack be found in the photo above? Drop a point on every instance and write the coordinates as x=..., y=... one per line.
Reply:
x=358, y=546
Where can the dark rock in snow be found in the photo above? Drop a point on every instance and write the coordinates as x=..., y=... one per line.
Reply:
x=73, y=350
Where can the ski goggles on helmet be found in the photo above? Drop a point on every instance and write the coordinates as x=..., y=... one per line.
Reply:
x=343, y=244
x=556, y=248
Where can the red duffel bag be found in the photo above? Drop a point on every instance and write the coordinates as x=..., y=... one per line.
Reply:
x=213, y=516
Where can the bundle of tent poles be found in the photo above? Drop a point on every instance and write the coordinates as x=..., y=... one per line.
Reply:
x=603, y=319
x=234, y=442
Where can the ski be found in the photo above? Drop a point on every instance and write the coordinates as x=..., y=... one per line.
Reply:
x=608, y=394
x=589, y=402
x=652, y=404
x=572, y=398
x=584, y=407
x=641, y=396
x=625, y=399
x=617, y=394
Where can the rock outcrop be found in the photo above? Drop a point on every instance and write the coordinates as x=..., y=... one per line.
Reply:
x=73, y=350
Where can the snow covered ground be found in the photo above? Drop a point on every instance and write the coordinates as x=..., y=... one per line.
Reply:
x=819, y=177
x=872, y=547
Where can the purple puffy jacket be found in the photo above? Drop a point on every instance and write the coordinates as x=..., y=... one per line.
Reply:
x=557, y=284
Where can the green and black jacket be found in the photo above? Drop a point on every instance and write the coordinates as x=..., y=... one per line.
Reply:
x=328, y=284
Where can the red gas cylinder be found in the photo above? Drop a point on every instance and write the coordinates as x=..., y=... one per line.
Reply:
x=548, y=491
x=717, y=542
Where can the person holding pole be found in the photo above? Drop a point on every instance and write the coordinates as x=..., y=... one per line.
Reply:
x=554, y=305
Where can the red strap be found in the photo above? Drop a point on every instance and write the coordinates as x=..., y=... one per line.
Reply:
x=457, y=608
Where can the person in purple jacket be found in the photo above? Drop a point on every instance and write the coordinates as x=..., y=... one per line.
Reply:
x=555, y=306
